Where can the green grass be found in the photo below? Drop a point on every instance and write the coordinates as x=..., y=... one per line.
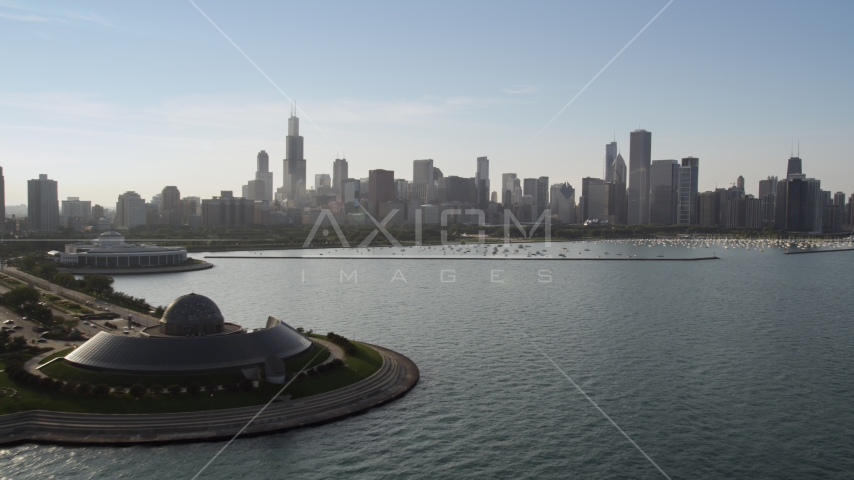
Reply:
x=60, y=353
x=360, y=366
x=363, y=364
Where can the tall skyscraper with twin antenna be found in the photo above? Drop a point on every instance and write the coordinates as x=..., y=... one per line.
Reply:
x=294, y=163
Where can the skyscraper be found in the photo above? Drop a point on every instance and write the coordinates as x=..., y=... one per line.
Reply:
x=529, y=187
x=322, y=180
x=768, y=199
x=507, y=183
x=423, y=185
x=688, y=183
x=263, y=174
x=482, y=183
x=618, y=202
x=340, y=172
x=794, y=167
x=294, y=163
x=170, y=199
x=640, y=155
x=563, y=202
x=664, y=191
x=380, y=189
x=130, y=210
x=43, y=205
x=610, y=156
x=739, y=182
x=542, y=199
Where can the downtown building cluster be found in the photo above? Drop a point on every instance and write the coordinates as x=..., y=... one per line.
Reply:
x=644, y=192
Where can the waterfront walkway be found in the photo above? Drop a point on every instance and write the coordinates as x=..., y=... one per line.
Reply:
x=396, y=377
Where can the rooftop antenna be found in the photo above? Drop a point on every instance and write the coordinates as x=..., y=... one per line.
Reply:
x=792, y=150
x=799, y=148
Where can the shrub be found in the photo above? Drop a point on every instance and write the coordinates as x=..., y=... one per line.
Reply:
x=337, y=363
x=231, y=387
x=247, y=385
x=46, y=383
x=211, y=387
x=59, y=386
x=85, y=388
x=69, y=387
x=156, y=389
x=137, y=391
x=174, y=389
x=194, y=388
x=101, y=390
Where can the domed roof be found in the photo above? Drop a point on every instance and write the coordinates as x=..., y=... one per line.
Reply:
x=192, y=309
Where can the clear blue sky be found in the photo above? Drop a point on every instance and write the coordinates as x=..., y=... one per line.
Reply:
x=114, y=96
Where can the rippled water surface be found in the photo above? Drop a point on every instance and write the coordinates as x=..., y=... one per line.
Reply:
x=732, y=368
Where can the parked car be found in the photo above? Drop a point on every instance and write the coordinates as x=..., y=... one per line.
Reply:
x=42, y=340
x=7, y=322
x=126, y=331
x=17, y=327
x=85, y=322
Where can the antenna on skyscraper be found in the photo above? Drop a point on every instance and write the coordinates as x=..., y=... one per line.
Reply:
x=799, y=148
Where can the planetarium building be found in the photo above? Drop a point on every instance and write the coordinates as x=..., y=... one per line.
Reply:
x=192, y=337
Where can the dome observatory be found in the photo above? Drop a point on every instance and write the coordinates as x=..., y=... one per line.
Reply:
x=192, y=315
x=192, y=337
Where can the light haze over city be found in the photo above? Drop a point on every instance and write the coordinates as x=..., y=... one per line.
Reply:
x=113, y=97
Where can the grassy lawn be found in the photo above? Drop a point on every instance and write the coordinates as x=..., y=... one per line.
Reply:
x=363, y=364
x=60, y=353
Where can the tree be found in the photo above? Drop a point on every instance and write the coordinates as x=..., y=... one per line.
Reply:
x=137, y=391
x=156, y=388
x=20, y=296
x=247, y=385
x=174, y=389
x=47, y=270
x=194, y=388
x=98, y=284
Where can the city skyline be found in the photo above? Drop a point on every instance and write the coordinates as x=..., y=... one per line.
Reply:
x=216, y=110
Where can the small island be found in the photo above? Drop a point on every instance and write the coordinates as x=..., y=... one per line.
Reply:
x=192, y=377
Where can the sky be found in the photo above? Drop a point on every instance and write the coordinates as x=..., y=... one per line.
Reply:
x=106, y=97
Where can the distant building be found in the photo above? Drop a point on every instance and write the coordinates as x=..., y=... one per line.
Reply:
x=380, y=189
x=401, y=189
x=794, y=167
x=97, y=212
x=74, y=207
x=482, y=182
x=103, y=224
x=688, y=185
x=664, y=192
x=294, y=163
x=340, y=172
x=768, y=199
x=507, y=187
x=227, y=211
x=263, y=174
x=170, y=200
x=542, y=197
x=610, y=156
x=110, y=250
x=423, y=186
x=563, y=197
x=322, y=180
x=640, y=155
x=43, y=205
x=130, y=210
x=619, y=201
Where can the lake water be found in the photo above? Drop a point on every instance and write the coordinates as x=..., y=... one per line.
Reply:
x=741, y=367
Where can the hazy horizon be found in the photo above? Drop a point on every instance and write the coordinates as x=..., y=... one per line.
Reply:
x=107, y=98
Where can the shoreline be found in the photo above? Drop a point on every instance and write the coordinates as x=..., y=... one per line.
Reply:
x=395, y=378
x=137, y=270
x=444, y=257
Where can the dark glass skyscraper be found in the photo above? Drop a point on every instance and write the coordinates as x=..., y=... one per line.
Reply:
x=794, y=167
x=688, y=184
x=340, y=171
x=482, y=183
x=640, y=155
x=294, y=163
x=664, y=191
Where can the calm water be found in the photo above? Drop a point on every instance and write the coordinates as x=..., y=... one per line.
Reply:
x=734, y=368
